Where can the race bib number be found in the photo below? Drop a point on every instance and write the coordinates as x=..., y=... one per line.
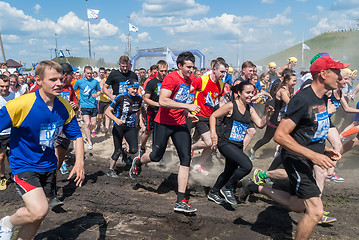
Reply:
x=87, y=91
x=238, y=131
x=323, y=126
x=209, y=101
x=131, y=121
x=158, y=88
x=190, y=99
x=49, y=132
x=182, y=94
x=65, y=95
x=122, y=90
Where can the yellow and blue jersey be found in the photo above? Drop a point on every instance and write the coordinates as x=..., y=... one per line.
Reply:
x=34, y=128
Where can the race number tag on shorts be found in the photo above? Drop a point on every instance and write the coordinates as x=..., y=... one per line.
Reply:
x=182, y=94
x=158, y=88
x=49, y=132
x=238, y=131
x=65, y=95
x=322, y=127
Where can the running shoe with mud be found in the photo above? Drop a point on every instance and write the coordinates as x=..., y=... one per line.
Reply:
x=135, y=169
x=228, y=194
x=184, y=207
x=215, y=197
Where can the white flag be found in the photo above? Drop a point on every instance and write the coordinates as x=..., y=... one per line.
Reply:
x=92, y=13
x=132, y=28
x=170, y=59
x=305, y=47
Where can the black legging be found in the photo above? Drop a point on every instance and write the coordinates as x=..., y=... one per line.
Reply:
x=268, y=135
x=238, y=165
x=130, y=134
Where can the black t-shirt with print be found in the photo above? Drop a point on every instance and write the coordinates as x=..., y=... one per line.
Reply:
x=153, y=87
x=126, y=108
x=117, y=80
x=310, y=115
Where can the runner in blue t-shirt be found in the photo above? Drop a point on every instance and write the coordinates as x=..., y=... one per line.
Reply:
x=89, y=91
x=36, y=119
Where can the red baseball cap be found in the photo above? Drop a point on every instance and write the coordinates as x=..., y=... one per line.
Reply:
x=322, y=61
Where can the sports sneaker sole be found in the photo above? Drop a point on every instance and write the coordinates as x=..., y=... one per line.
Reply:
x=132, y=176
x=228, y=201
x=184, y=210
x=213, y=200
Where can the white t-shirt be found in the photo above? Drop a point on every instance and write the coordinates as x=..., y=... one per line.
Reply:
x=3, y=101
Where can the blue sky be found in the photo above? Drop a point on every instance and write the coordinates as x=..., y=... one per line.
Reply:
x=261, y=27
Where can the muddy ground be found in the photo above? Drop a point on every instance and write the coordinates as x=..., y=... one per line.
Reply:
x=107, y=208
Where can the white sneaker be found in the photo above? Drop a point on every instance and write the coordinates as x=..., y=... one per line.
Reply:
x=199, y=169
x=90, y=146
x=5, y=233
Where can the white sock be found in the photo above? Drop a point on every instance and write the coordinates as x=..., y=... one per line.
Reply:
x=6, y=223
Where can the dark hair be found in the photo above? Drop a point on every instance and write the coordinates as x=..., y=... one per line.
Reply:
x=286, y=79
x=287, y=71
x=218, y=63
x=101, y=68
x=185, y=56
x=239, y=87
x=4, y=78
x=247, y=64
x=153, y=67
x=124, y=59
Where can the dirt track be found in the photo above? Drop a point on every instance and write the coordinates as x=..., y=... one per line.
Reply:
x=106, y=208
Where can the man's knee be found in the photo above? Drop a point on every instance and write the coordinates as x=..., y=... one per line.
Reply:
x=133, y=150
x=39, y=212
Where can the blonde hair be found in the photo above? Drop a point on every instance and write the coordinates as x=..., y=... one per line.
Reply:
x=47, y=65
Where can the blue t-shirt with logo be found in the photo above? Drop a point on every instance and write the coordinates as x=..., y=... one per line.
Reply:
x=87, y=88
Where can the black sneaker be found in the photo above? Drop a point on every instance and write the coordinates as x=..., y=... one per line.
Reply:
x=243, y=192
x=135, y=169
x=215, y=197
x=228, y=194
x=55, y=202
x=183, y=206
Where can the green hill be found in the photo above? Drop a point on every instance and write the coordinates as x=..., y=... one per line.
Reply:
x=342, y=46
x=81, y=62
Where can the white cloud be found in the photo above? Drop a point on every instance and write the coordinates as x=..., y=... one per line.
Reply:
x=123, y=37
x=143, y=37
x=37, y=8
x=11, y=38
x=320, y=8
x=106, y=48
x=167, y=12
x=287, y=33
x=14, y=20
x=268, y=1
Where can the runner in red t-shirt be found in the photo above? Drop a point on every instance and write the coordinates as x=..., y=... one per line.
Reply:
x=209, y=90
x=170, y=122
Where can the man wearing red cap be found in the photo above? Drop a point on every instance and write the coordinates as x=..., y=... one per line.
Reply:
x=302, y=134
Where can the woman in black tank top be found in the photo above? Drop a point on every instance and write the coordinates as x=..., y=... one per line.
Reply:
x=282, y=98
x=237, y=117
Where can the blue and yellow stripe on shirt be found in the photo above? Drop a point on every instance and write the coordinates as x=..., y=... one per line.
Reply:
x=34, y=128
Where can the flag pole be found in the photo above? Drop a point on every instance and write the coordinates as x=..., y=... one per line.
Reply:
x=129, y=39
x=3, y=52
x=88, y=32
x=303, y=51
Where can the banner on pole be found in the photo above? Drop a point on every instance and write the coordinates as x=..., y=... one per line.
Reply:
x=92, y=13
